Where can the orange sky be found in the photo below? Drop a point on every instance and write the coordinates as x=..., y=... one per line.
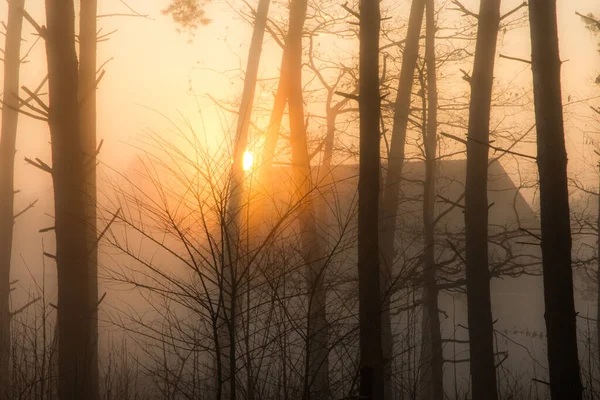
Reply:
x=153, y=66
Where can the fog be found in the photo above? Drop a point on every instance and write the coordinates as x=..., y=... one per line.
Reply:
x=185, y=236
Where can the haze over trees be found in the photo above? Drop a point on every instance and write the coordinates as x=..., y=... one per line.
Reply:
x=299, y=200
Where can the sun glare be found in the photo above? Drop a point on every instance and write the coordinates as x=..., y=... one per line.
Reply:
x=247, y=162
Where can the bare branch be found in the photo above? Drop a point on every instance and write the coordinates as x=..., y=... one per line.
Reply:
x=514, y=10
x=23, y=211
x=39, y=164
x=351, y=11
x=21, y=309
x=463, y=9
x=515, y=59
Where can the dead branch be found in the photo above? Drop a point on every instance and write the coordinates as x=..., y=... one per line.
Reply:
x=463, y=9
x=514, y=10
x=23, y=211
x=23, y=308
x=515, y=58
x=39, y=164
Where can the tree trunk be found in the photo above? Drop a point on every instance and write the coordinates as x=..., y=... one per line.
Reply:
x=561, y=324
x=272, y=135
x=10, y=117
x=87, y=103
x=316, y=384
x=434, y=386
x=598, y=270
x=481, y=329
x=391, y=191
x=369, y=289
x=233, y=268
x=68, y=174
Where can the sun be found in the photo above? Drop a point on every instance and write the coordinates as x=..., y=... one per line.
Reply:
x=247, y=161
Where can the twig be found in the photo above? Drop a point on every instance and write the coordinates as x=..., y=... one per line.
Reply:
x=351, y=11
x=39, y=164
x=514, y=10
x=106, y=228
x=29, y=207
x=464, y=9
x=32, y=115
x=589, y=19
x=41, y=30
x=35, y=97
x=347, y=95
x=515, y=59
x=21, y=309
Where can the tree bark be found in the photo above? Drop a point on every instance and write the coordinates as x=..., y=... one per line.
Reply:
x=434, y=385
x=391, y=192
x=87, y=103
x=561, y=324
x=69, y=177
x=369, y=289
x=481, y=329
x=10, y=117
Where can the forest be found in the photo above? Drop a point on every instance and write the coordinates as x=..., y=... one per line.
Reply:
x=300, y=199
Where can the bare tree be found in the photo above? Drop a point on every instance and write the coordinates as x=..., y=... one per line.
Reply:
x=87, y=102
x=561, y=326
x=10, y=116
x=481, y=329
x=316, y=384
x=69, y=175
x=235, y=209
x=432, y=353
x=369, y=289
x=391, y=191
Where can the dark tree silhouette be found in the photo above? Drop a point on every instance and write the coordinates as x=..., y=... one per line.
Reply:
x=371, y=358
x=391, y=191
x=10, y=117
x=481, y=329
x=69, y=167
x=432, y=384
x=87, y=103
x=561, y=327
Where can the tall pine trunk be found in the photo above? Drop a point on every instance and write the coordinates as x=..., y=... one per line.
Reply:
x=481, y=329
x=561, y=324
x=68, y=173
x=369, y=289
x=234, y=269
x=10, y=117
x=87, y=103
x=433, y=382
x=391, y=192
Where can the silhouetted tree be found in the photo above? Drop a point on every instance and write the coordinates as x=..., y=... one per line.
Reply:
x=561, y=327
x=69, y=175
x=432, y=352
x=391, y=191
x=481, y=329
x=10, y=117
x=87, y=102
x=369, y=289
x=235, y=201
